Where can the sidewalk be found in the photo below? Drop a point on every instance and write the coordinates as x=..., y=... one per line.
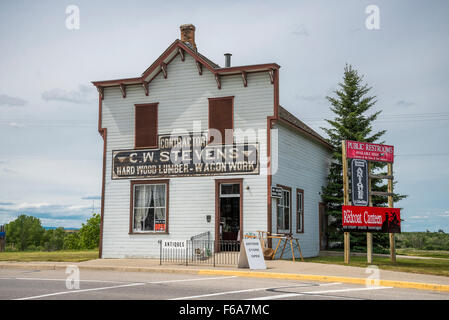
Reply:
x=277, y=269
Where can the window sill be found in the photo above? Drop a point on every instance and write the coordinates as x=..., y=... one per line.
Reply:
x=147, y=147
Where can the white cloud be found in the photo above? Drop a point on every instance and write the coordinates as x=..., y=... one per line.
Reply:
x=445, y=214
x=50, y=214
x=84, y=94
x=404, y=103
x=11, y=101
x=78, y=207
x=26, y=205
x=16, y=125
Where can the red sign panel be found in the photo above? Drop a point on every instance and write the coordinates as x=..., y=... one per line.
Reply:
x=159, y=227
x=371, y=219
x=369, y=151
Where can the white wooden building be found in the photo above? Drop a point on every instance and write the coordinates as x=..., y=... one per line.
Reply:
x=168, y=176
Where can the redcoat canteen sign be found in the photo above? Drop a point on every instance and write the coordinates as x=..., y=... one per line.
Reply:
x=371, y=219
x=369, y=151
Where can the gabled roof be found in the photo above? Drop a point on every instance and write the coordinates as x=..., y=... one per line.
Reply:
x=179, y=47
x=291, y=119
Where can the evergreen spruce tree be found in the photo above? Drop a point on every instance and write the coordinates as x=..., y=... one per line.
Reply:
x=352, y=122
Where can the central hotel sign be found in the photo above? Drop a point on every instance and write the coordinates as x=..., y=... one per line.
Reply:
x=186, y=155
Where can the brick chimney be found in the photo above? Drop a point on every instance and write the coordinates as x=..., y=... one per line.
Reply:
x=188, y=35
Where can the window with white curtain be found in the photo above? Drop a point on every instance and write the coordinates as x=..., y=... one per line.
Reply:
x=150, y=205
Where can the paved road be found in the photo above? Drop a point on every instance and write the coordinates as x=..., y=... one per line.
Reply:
x=52, y=284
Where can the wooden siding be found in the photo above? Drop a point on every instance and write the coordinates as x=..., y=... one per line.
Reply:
x=183, y=99
x=301, y=163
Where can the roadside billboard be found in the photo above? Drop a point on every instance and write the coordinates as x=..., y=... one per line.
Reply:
x=371, y=219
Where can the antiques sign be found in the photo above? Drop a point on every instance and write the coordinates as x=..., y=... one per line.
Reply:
x=371, y=219
x=359, y=177
x=369, y=151
x=186, y=155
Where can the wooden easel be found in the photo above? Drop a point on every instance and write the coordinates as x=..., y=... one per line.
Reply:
x=286, y=238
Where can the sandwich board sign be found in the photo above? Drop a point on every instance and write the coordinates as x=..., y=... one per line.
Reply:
x=359, y=177
x=251, y=255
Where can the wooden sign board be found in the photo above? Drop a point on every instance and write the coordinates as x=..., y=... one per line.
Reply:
x=276, y=192
x=251, y=255
x=371, y=219
x=369, y=151
x=359, y=177
x=185, y=155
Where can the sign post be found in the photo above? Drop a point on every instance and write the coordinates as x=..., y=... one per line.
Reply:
x=369, y=235
x=2, y=238
x=359, y=216
x=347, y=249
x=390, y=205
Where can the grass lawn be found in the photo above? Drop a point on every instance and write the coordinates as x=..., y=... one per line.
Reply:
x=423, y=253
x=424, y=266
x=64, y=256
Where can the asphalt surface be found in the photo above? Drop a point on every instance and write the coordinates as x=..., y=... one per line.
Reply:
x=21, y=284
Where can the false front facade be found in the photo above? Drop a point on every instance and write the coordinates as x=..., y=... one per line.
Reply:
x=192, y=147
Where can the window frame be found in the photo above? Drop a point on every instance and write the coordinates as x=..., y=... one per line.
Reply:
x=143, y=105
x=131, y=211
x=209, y=118
x=279, y=230
x=298, y=214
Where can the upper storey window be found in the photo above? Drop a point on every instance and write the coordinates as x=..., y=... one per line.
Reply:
x=145, y=134
x=221, y=120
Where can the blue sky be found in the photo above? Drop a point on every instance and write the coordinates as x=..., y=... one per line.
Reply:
x=51, y=152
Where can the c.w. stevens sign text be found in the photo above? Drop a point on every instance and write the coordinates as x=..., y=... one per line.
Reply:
x=186, y=155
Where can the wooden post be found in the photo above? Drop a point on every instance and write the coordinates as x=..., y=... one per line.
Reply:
x=344, y=161
x=369, y=235
x=391, y=205
x=2, y=239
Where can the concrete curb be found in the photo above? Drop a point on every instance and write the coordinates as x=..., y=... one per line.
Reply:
x=322, y=278
x=250, y=274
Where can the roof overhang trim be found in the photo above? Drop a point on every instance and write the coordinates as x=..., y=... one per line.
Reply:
x=168, y=55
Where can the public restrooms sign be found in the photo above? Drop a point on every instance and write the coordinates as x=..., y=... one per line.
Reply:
x=369, y=151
